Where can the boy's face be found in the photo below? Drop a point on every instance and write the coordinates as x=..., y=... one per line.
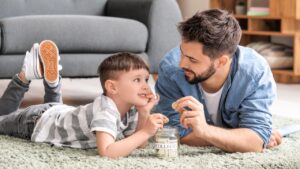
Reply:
x=133, y=87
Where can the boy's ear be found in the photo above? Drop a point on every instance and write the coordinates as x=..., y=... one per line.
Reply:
x=110, y=86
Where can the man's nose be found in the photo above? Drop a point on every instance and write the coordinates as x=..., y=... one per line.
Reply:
x=182, y=63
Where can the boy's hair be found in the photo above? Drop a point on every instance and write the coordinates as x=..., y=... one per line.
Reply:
x=111, y=67
x=217, y=30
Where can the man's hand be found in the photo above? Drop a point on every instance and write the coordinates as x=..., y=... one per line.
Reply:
x=275, y=139
x=191, y=114
x=230, y=140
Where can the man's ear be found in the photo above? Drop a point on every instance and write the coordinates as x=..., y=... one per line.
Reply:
x=222, y=61
x=110, y=86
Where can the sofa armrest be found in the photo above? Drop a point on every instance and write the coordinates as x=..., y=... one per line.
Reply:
x=0, y=38
x=161, y=18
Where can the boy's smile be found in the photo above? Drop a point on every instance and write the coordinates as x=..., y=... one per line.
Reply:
x=132, y=89
x=143, y=96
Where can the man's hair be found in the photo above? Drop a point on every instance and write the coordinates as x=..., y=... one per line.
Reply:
x=217, y=30
x=111, y=67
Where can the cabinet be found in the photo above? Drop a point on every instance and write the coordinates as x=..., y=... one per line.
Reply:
x=282, y=21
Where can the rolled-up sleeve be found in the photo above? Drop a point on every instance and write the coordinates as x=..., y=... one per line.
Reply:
x=255, y=108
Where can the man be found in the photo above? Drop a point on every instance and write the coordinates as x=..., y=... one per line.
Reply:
x=220, y=92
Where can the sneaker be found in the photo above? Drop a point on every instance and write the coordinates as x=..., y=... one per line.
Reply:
x=31, y=65
x=48, y=52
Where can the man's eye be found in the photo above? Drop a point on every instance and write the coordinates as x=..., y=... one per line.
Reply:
x=193, y=60
x=147, y=80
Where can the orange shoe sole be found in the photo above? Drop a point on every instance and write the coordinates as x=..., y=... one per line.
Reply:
x=49, y=56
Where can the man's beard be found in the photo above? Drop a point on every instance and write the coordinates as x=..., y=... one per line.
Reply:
x=200, y=78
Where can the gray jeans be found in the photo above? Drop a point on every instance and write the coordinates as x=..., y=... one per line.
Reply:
x=20, y=123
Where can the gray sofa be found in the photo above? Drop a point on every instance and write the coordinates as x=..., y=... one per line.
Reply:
x=87, y=31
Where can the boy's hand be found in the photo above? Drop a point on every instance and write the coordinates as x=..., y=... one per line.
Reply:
x=152, y=100
x=154, y=122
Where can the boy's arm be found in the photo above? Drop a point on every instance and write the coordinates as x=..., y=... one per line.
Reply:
x=107, y=146
x=144, y=112
x=142, y=118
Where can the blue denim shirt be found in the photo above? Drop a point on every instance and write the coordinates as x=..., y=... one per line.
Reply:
x=246, y=97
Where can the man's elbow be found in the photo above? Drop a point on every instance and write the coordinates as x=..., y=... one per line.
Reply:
x=253, y=143
x=258, y=149
x=253, y=149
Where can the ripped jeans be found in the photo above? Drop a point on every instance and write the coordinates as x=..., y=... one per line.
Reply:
x=21, y=123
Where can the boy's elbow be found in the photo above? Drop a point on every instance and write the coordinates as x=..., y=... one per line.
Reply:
x=109, y=154
x=104, y=153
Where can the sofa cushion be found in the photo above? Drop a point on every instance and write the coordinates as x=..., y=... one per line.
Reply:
x=74, y=33
x=10, y=8
x=74, y=64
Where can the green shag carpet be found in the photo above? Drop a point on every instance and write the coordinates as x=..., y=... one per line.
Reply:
x=18, y=153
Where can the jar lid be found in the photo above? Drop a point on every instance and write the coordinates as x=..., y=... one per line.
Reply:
x=168, y=129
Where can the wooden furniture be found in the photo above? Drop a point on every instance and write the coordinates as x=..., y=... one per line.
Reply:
x=283, y=21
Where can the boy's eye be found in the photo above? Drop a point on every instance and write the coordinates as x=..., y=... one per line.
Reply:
x=147, y=80
x=137, y=80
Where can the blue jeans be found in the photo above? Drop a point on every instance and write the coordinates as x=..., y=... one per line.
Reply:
x=20, y=123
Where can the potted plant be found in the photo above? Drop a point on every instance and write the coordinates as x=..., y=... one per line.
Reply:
x=240, y=8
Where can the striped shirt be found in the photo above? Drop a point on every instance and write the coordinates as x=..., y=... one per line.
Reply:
x=75, y=127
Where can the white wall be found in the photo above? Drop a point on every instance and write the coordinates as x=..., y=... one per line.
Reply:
x=190, y=7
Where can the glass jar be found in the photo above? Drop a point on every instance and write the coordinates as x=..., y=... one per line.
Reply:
x=166, y=142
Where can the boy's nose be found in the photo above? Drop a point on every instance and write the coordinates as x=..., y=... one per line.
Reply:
x=145, y=86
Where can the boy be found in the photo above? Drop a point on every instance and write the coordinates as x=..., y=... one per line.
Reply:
x=117, y=122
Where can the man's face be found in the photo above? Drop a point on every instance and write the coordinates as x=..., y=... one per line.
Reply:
x=197, y=67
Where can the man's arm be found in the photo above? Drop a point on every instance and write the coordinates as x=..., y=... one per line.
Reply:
x=231, y=140
x=192, y=140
